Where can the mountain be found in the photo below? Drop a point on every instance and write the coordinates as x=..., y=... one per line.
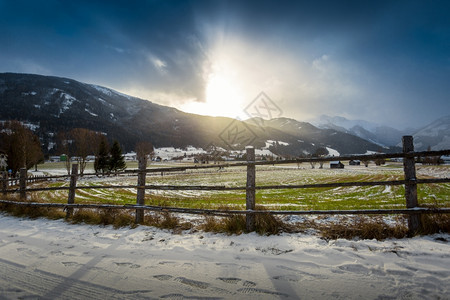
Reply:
x=376, y=133
x=436, y=135
x=305, y=136
x=50, y=105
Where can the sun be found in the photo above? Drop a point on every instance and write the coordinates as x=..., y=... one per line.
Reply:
x=223, y=93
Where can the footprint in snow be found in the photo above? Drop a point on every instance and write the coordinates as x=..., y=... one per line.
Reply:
x=163, y=277
x=127, y=264
x=230, y=280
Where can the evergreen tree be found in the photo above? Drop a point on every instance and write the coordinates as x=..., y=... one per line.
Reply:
x=116, y=162
x=101, y=163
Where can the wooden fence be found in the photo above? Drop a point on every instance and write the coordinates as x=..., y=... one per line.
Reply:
x=410, y=182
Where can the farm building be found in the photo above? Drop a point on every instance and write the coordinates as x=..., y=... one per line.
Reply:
x=336, y=165
x=354, y=162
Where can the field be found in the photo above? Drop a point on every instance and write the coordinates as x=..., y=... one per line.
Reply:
x=384, y=197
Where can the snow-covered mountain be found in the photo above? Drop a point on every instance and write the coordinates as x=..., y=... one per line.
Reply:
x=379, y=134
x=52, y=105
x=436, y=135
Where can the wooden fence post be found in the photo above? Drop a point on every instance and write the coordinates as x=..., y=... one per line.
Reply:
x=250, y=189
x=409, y=168
x=140, y=197
x=72, y=189
x=4, y=183
x=23, y=184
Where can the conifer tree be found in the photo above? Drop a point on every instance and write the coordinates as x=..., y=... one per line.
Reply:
x=101, y=163
x=116, y=162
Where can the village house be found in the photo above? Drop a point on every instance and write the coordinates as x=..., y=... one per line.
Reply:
x=336, y=165
x=354, y=162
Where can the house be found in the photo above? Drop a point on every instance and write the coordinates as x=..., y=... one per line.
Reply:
x=354, y=162
x=54, y=158
x=336, y=165
x=130, y=156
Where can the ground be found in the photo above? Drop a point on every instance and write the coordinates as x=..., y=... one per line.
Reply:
x=50, y=259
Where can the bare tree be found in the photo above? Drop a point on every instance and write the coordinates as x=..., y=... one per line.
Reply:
x=84, y=141
x=144, y=151
x=21, y=145
x=320, y=152
x=65, y=147
x=365, y=162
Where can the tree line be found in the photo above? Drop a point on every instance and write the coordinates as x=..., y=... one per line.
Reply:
x=22, y=149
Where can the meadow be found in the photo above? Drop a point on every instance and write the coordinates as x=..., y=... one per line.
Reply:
x=339, y=198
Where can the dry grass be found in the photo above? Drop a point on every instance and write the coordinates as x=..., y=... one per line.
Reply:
x=434, y=223
x=363, y=227
x=166, y=220
x=265, y=224
x=30, y=211
x=114, y=217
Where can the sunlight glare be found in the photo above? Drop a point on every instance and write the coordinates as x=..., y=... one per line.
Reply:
x=223, y=94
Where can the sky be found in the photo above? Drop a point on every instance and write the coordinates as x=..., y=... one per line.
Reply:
x=381, y=61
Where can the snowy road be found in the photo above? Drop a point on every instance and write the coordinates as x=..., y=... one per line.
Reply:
x=55, y=260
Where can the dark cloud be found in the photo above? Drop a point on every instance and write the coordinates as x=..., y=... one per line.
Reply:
x=355, y=57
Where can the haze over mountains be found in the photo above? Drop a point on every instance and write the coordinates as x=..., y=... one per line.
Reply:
x=53, y=104
x=377, y=133
x=435, y=135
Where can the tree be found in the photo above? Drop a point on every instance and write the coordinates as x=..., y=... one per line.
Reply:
x=84, y=141
x=21, y=146
x=144, y=151
x=116, y=161
x=431, y=160
x=365, y=162
x=101, y=163
x=320, y=152
x=65, y=147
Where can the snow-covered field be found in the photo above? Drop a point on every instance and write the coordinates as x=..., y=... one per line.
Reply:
x=55, y=260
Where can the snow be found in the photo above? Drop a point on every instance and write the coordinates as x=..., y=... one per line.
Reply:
x=91, y=113
x=67, y=102
x=31, y=126
x=332, y=152
x=109, y=92
x=265, y=152
x=29, y=93
x=368, y=152
x=272, y=143
x=55, y=260
x=102, y=89
x=171, y=152
x=51, y=145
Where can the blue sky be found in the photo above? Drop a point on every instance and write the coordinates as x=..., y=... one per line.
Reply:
x=382, y=61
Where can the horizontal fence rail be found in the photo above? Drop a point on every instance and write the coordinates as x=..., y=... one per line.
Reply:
x=410, y=182
x=235, y=212
x=224, y=188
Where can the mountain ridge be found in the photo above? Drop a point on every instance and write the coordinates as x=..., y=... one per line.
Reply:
x=60, y=104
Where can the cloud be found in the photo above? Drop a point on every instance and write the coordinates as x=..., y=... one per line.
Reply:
x=355, y=58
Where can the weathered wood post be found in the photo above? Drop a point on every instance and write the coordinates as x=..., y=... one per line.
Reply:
x=140, y=197
x=409, y=168
x=72, y=189
x=23, y=184
x=4, y=183
x=250, y=189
